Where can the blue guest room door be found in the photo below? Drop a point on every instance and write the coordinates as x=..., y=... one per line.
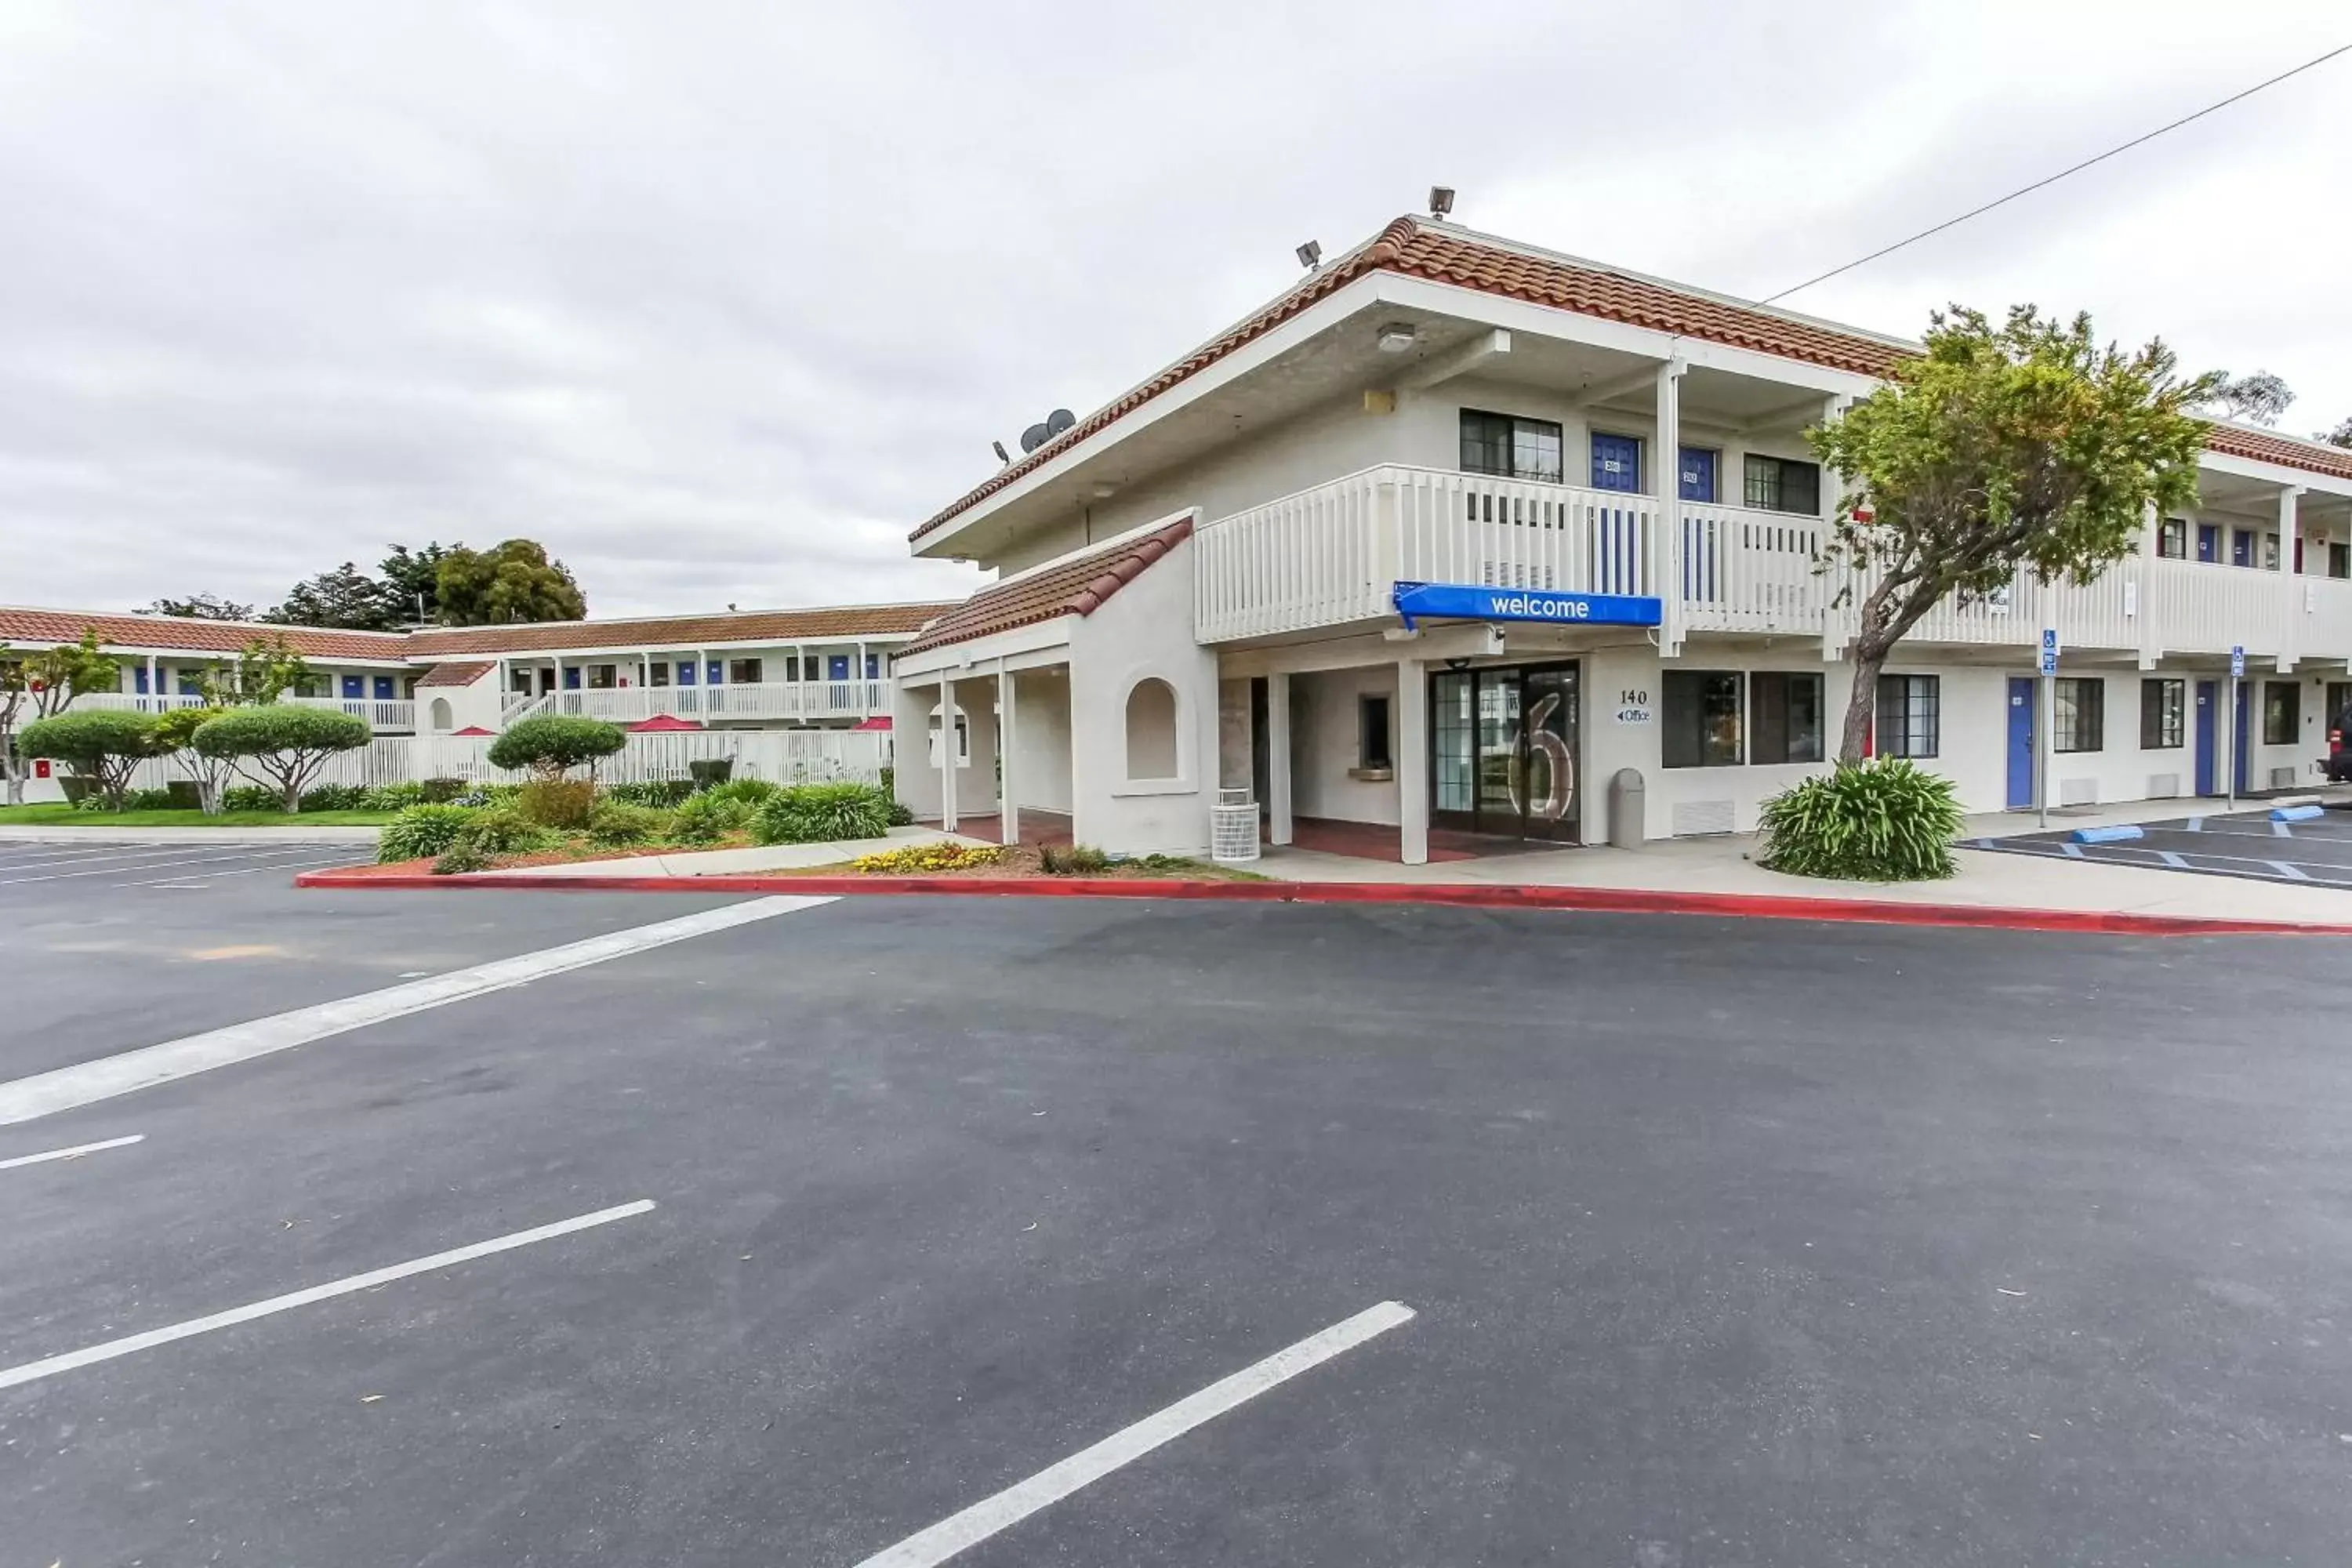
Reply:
x=1616, y=462
x=2021, y=742
x=2207, y=693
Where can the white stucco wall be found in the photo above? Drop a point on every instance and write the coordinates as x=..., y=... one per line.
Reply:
x=1144, y=630
x=1323, y=742
x=1041, y=706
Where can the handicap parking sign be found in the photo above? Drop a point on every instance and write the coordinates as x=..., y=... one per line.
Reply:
x=2237, y=661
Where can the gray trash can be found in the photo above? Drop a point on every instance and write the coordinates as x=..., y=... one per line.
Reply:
x=1627, y=814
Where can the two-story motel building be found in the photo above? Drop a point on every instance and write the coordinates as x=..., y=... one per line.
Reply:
x=810, y=668
x=1589, y=494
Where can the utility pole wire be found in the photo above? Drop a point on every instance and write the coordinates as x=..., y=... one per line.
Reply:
x=2053, y=179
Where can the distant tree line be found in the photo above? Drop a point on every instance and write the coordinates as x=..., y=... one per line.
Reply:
x=437, y=585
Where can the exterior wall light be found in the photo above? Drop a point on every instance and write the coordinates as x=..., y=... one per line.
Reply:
x=1396, y=338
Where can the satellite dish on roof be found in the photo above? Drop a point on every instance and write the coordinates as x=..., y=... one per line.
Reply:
x=1033, y=438
x=1059, y=421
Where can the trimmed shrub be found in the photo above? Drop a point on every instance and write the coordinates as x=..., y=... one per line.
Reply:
x=617, y=824
x=250, y=797
x=334, y=797
x=438, y=792
x=421, y=830
x=901, y=813
x=557, y=802
x=104, y=745
x=504, y=794
x=156, y=799
x=655, y=792
x=814, y=814
x=396, y=796
x=552, y=744
x=708, y=817
x=1879, y=821
x=183, y=795
x=1071, y=860
x=284, y=744
x=711, y=771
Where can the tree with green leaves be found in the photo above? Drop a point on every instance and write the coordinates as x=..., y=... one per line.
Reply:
x=552, y=744
x=512, y=582
x=281, y=746
x=41, y=683
x=201, y=608
x=2021, y=446
x=411, y=583
x=345, y=598
x=266, y=670
x=174, y=736
x=103, y=746
x=2339, y=436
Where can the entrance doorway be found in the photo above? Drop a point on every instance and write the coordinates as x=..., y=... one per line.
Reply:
x=2021, y=742
x=1503, y=750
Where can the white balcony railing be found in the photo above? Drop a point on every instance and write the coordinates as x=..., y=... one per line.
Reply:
x=1330, y=555
x=1333, y=553
x=775, y=700
x=381, y=713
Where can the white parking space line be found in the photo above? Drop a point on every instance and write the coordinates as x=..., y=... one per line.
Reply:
x=130, y=1344
x=155, y=864
x=86, y=1082
x=81, y=856
x=1051, y=1485
x=76, y=1153
x=181, y=880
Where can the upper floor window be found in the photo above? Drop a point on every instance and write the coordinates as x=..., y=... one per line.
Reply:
x=1512, y=447
x=603, y=677
x=2340, y=560
x=2173, y=539
x=742, y=672
x=1783, y=484
x=657, y=672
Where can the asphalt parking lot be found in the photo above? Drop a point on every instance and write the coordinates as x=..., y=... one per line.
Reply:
x=1723, y=1243
x=2245, y=844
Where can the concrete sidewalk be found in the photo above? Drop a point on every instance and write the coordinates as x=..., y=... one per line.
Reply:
x=1722, y=865
x=32, y=832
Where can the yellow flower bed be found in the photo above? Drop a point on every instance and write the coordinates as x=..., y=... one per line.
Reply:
x=941, y=857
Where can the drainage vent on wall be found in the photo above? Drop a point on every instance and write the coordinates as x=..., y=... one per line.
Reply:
x=2163, y=787
x=1694, y=818
x=2078, y=792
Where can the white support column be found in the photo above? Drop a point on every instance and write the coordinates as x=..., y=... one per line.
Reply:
x=1277, y=759
x=154, y=685
x=1667, y=465
x=2296, y=623
x=947, y=753
x=1008, y=818
x=1412, y=761
x=2139, y=585
x=1837, y=622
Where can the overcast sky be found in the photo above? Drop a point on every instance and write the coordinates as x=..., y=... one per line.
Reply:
x=718, y=301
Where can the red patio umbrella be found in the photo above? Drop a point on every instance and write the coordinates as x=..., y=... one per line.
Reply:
x=662, y=724
x=473, y=729
x=880, y=723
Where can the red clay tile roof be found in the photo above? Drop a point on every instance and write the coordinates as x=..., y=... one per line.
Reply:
x=1423, y=249
x=49, y=628
x=2267, y=447
x=677, y=631
x=1074, y=587
x=463, y=674
x=1417, y=247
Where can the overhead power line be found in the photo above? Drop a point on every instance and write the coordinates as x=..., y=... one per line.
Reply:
x=2053, y=179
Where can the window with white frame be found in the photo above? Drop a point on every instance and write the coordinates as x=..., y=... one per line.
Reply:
x=1782, y=484
x=1511, y=447
x=2163, y=714
x=2078, y=714
x=1910, y=716
x=743, y=672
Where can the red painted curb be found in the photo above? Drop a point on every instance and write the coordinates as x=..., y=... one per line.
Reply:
x=1598, y=900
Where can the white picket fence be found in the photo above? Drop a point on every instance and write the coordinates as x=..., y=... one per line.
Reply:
x=781, y=757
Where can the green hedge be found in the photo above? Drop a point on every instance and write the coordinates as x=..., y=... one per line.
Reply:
x=421, y=830
x=1880, y=821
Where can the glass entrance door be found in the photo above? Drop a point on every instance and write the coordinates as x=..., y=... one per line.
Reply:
x=1503, y=750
